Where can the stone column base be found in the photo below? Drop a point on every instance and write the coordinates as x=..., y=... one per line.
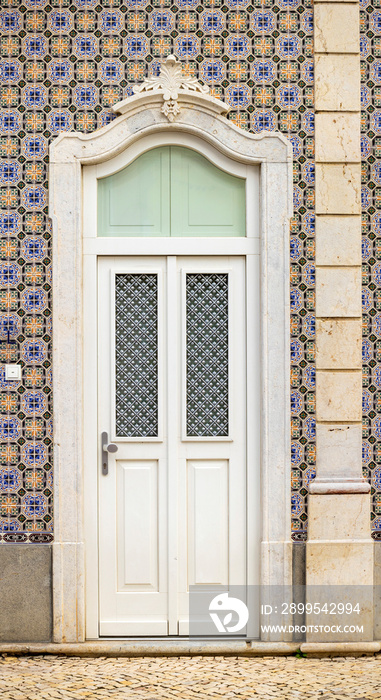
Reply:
x=340, y=568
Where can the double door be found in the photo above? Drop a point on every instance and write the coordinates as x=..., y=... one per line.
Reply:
x=172, y=397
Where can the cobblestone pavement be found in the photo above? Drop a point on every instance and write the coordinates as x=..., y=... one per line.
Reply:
x=204, y=678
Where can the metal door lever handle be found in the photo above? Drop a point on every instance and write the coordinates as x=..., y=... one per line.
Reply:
x=106, y=449
x=110, y=448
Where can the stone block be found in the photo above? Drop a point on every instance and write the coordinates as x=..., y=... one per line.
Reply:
x=337, y=137
x=338, y=343
x=339, y=563
x=338, y=396
x=338, y=451
x=377, y=590
x=340, y=572
x=338, y=188
x=338, y=240
x=343, y=516
x=337, y=83
x=298, y=583
x=25, y=593
x=299, y=563
x=338, y=292
x=336, y=28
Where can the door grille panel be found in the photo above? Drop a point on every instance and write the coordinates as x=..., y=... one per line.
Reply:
x=207, y=358
x=136, y=355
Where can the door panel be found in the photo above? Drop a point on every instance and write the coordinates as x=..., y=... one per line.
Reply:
x=137, y=525
x=172, y=394
x=208, y=519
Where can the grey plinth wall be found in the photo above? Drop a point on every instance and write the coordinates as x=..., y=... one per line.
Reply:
x=26, y=590
x=25, y=593
x=377, y=590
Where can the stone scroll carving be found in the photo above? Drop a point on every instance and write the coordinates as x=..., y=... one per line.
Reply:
x=171, y=80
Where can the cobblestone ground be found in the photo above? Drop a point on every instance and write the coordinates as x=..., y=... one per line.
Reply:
x=204, y=678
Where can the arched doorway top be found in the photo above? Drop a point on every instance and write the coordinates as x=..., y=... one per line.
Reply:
x=166, y=104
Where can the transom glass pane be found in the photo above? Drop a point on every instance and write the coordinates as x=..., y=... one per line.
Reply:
x=171, y=191
x=136, y=355
x=207, y=359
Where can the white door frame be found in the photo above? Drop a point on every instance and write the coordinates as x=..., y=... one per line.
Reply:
x=95, y=247
x=173, y=489
x=199, y=117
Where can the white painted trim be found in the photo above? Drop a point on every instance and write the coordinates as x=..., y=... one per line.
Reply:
x=253, y=434
x=173, y=475
x=91, y=454
x=174, y=246
x=72, y=356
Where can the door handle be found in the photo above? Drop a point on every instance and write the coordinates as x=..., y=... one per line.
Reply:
x=106, y=448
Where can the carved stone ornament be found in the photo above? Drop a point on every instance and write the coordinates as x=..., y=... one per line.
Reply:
x=171, y=80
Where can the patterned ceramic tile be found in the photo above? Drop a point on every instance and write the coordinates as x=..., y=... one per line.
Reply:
x=370, y=46
x=63, y=64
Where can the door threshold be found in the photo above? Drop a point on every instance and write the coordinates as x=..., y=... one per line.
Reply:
x=174, y=638
x=154, y=647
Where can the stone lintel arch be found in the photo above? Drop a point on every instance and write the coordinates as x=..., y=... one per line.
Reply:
x=184, y=109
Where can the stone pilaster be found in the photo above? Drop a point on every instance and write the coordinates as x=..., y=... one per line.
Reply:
x=339, y=547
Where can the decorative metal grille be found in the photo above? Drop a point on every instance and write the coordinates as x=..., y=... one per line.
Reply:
x=136, y=355
x=207, y=398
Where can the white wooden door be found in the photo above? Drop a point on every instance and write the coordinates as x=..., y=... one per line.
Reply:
x=172, y=397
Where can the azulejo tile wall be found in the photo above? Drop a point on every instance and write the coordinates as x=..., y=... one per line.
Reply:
x=370, y=47
x=63, y=65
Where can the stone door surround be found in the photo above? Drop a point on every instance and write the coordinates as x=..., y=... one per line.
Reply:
x=172, y=105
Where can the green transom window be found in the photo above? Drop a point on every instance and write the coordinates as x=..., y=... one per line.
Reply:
x=171, y=191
